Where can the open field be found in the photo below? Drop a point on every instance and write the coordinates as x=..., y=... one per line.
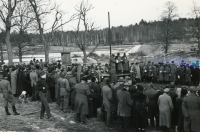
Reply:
x=152, y=52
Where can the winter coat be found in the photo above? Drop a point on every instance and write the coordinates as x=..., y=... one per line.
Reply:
x=125, y=63
x=5, y=89
x=13, y=76
x=191, y=109
x=161, y=73
x=149, y=70
x=172, y=73
x=112, y=73
x=165, y=107
x=112, y=62
x=125, y=102
x=81, y=100
x=72, y=83
x=119, y=63
x=21, y=83
x=107, y=98
x=166, y=73
x=187, y=74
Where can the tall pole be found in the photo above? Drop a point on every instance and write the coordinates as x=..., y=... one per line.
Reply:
x=109, y=32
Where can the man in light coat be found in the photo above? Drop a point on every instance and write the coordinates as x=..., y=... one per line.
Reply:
x=191, y=111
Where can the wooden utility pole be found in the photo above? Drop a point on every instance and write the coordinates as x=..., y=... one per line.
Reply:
x=109, y=32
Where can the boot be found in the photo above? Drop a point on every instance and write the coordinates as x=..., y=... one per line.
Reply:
x=7, y=112
x=14, y=110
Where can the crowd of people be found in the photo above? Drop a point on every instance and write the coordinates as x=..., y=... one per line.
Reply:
x=84, y=89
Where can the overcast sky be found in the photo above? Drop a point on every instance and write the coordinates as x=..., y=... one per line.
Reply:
x=124, y=12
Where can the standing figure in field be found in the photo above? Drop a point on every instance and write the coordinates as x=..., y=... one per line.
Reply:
x=149, y=72
x=112, y=61
x=119, y=63
x=165, y=108
x=63, y=84
x=166, y=73
x=191, y=111
x=82, y=92
x=161, y=73
x=187, y=75
x=8, y=97
x=125, y=63
x=173, y=71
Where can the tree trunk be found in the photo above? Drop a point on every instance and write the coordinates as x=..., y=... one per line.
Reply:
x=8, y=26
x=84, y=57
x=46, y=47
x=9, y=47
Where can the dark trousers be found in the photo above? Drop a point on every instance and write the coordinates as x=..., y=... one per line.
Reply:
x=94, y=109
x=124, y=122
x=180, y=123
x=52, y=92
x=45, y=106
x=141, y=120
x=133, y=119
x=34, y=94
x=107, y=117
x=80, y=117
x=153, y=113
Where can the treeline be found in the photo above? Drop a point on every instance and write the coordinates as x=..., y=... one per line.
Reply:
x=183, y=30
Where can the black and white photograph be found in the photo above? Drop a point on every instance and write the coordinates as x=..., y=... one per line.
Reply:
x=99, y=65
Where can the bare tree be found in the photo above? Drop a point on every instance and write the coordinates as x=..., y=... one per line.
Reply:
x=196, y=14
x=84, y=38
x=7, y=8
x=24, y=21
x=41, y=9
x=168, y=15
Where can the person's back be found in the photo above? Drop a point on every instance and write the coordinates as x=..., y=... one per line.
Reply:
x=4, y=86
x=191, y=112
x=33, y=77
x=63, y=83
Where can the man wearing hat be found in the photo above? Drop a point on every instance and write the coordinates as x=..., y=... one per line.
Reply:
x=107, y=101
x=8, y=97
x=165, y=108
x=112, y=61
x=149, y=72
x=124, y=105
x=191, y=111
x=167, y=73
x=64, y=88
x=81, y=101
x=173, y=71
x=181, y=74
x=153, y=111
x=116, y=87
x=137, y=72
x=187, y=75
x=42, y=87
x=161, y=73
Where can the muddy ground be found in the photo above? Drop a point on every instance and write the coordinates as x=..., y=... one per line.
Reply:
x=29, y=121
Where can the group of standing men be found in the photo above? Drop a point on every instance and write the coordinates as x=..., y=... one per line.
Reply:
x=183, y=74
